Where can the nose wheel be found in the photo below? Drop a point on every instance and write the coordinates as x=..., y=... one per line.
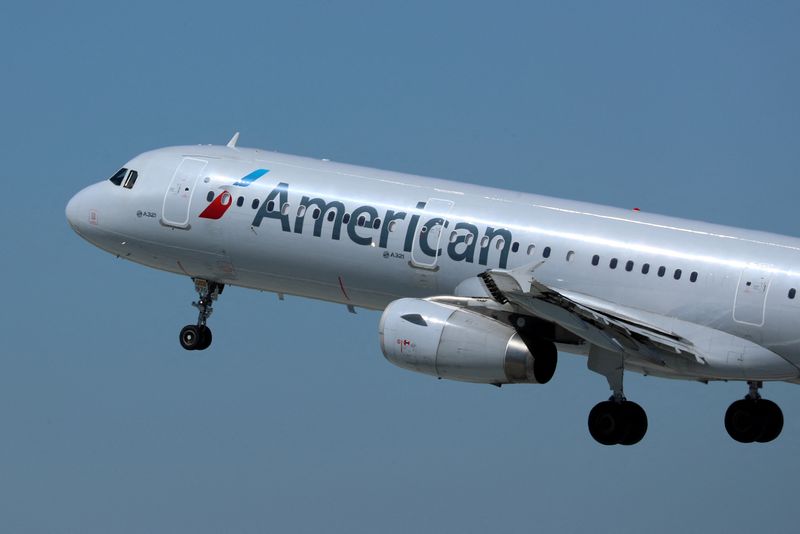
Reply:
x=198, y=336
x=194, y=337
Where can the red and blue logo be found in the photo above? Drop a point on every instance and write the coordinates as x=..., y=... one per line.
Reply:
x=224, y=200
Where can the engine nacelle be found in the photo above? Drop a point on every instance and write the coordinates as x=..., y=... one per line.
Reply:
x=451, y=342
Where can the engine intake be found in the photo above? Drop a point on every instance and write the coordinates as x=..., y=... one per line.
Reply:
x=451, y=342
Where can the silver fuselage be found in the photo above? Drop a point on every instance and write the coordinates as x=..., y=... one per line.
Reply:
x=732, y=280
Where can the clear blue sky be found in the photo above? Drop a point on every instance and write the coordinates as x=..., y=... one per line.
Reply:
x=293, y=421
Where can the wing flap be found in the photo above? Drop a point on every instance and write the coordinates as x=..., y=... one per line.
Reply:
x=628, y=335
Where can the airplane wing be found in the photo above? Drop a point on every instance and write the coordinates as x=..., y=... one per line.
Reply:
x=626, y=334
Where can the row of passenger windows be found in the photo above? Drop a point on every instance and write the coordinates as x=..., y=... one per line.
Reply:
x=629, y=265
x=468, y=240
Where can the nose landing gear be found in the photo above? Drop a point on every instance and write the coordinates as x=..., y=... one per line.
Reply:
x=753, y=419
x=198, y=337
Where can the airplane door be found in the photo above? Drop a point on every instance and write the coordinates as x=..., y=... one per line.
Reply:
x=430, y=229
x=751, y=296
x=178, y=198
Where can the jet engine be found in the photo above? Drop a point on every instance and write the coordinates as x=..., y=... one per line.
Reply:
x=451, y=342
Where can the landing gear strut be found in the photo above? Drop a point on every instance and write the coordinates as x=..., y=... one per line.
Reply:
x=198, y=337
x=753, y=419
x=616, y=421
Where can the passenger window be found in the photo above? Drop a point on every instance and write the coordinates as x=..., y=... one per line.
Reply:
x=132, y=176
x=255, y=203
x=531, y=248
x=316, y=213
x=393, y=225
x=613, y=263
x=595, y=259
x=677, y=274
x=346, y=218
x=331, y=216
x=361, y=220
x=645, y=268
x=662, y=271
x=629, y=266
x=118, y=177
x=484, y=242
x=499, y=244
x=546, y=252
x=693, y=276
x=792, y=293
x=515, y=246
x=570, y=255
x=240, y=201
x=285, y=209
x=270, y=205
x=376, y=224
x=301, y=211
x=210, y=196
x=470, y=238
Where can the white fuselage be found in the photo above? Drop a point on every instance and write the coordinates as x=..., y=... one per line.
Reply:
x=736, y=281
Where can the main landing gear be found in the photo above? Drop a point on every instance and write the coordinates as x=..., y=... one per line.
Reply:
x=753, y=419
x=198, y=337
x=616, y=421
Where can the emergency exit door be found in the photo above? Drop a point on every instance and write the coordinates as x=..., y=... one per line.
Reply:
x=751, y=296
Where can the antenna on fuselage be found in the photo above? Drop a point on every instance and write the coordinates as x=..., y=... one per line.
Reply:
x=233, y=141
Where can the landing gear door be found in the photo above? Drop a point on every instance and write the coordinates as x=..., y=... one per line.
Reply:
x=751, y=295
x=426, y=249
x=178, y=198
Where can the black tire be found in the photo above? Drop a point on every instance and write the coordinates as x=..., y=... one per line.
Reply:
x=637, y=423
x=190, y=337
x=744, y=422
x=607, y=423
x=773, y=420
x=205, y=338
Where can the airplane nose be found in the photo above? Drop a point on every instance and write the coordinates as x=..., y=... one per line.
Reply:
x=72, y=211
x=79, y=212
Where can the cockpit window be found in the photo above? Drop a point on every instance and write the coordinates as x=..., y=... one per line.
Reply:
x=131, y=179
x=117, y=178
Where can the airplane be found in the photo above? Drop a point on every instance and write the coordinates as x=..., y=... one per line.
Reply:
x=475, y=283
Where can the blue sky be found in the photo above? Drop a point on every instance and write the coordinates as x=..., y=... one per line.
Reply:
x=293, y=421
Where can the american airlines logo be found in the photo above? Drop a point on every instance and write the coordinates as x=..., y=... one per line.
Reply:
x=366, y=226
x=223, y=201
x=371, y=227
